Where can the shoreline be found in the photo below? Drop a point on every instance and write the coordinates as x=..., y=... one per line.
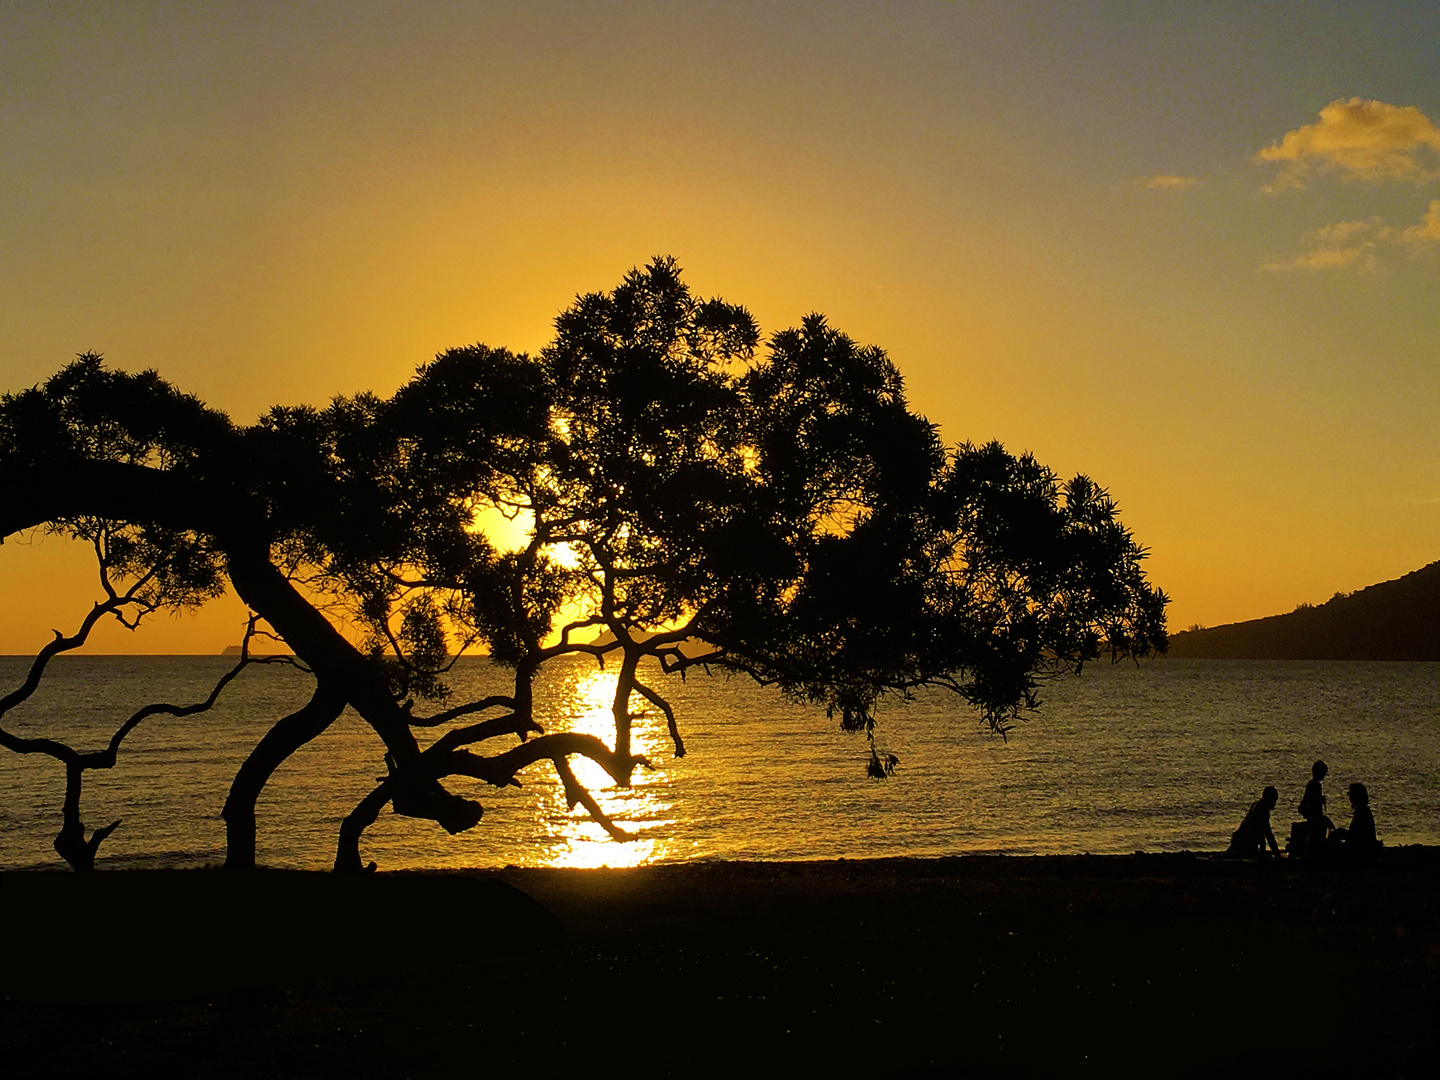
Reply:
x=1397, y=856
x=1173, y=962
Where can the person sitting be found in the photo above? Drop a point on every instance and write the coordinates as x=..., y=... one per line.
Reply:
x=1249, y=840
x=1358, y=843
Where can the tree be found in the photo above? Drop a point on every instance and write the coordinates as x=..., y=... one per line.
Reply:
x=690, y=499
x=258, y=504
x=143, y=567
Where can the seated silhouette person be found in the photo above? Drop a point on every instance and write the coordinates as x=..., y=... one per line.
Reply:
x=1358, y=843
x=1249, y=840
x=1312, y=809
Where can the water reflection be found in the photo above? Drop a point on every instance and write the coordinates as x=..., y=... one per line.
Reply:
x=1161, y=757
x=645, y=810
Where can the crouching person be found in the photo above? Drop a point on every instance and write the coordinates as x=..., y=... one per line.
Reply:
x=1249, y=840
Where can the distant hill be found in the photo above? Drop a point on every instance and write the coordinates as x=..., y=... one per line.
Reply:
x=1395, y=620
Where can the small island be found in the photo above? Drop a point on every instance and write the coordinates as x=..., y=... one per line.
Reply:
x=232, y=651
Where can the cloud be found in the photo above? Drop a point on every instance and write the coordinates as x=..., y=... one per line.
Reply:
x=1339, y=232
x=1167, y=182
x=1360, y=257
x=1345, y=245
x=1360, y=139
x=1428, y=231
x=1358, y=245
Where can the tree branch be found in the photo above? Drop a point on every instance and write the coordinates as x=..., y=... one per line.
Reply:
x=497, y=701
x=71, y=843
x=664, y=706
x=513, y=724
x=575, y=793
x=501, y=769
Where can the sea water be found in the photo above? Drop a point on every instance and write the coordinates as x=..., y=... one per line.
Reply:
x=1161, y=756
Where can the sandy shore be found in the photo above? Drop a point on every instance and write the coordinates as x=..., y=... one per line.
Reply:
x=1171, y=964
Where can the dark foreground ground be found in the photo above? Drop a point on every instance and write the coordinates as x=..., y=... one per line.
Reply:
x=1166, y=964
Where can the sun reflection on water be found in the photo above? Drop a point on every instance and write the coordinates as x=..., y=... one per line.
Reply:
x=645, y=810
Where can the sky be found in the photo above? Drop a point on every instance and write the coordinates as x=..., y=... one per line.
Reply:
x=1191, y=250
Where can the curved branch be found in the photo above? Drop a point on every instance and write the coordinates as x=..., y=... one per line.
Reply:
x=673, y=661
x=283, y=739
x=337, y=662
x=71, y=843
x=442, y=760
x=347, y=847
x=19, y=744
x=501, y=769
x=664, y=706
x=495, y=701
x=575, y=792
x=114, y=490
x=163, y=709
x=513, y=724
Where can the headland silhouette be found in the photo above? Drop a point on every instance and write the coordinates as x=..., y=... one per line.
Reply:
x=1394, y=620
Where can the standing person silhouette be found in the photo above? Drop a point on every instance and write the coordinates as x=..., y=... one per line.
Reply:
x=1312, y=809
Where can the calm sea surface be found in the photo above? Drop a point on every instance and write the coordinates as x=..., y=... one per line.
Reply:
x=1161, y=757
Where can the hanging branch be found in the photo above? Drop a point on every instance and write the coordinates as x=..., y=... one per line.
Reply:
x=113, y=604
x=664, y=706
x=575, y=792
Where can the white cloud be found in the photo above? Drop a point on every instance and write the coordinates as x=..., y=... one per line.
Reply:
x=1360, y=139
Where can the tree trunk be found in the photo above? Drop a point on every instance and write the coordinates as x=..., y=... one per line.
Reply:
x=282, y=740
x=620, y=707
x=347, y=848
x=338, y=663
x=70, y=842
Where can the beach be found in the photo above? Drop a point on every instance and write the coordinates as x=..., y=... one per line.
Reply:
x=1174, y=963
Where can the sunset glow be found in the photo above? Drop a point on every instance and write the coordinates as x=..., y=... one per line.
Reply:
x=642, y=810
x=1190, y=250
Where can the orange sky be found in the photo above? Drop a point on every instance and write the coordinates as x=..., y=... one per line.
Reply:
x=1191, y=250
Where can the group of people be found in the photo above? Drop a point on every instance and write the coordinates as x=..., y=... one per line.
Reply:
x=1316, y=837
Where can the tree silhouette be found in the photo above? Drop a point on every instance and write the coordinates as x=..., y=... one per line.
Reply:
x=141, y=571
x=690, y=497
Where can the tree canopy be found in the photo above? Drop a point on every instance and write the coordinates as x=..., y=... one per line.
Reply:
x=689, y=492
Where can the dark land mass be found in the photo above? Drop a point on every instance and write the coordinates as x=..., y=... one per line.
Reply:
x=1395, y=620
x=1163, y=964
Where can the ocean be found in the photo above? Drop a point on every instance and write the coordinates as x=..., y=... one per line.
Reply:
x=1161, y=756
